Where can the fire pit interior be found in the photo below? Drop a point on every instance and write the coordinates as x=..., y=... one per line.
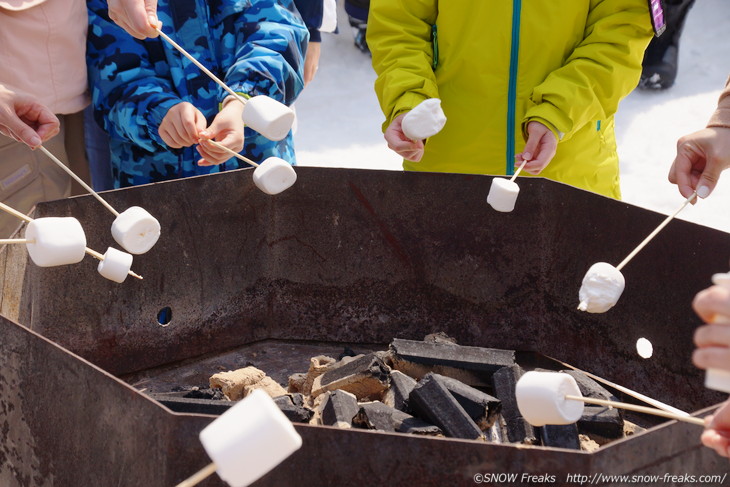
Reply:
x=344, y=258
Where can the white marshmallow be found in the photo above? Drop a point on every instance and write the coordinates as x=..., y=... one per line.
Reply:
x=116, y=265
x=541, y=398
x=503, y=194
x=602, y=286
x=274, y=175
x=249, y=439
x=425, y=120
x=55, y=241
x=270, y=118
x=136, y=230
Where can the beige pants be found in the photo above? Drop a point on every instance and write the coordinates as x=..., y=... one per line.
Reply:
x=28, y=177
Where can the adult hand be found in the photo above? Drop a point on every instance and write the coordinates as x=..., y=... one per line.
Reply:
x=717, y=434
x=540, y=148
x=713, y=339
x=182, y=125
x=402, y=145
x=311, y=61
x=701, y=157
x=25, y=119
x=226, y=129
x=137, y=17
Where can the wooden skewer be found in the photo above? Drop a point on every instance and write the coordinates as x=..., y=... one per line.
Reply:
x=233, y=153
x=240, y=97
x=6, y=241
x=199, y=476
x=654, y=233
x=79, y=180
x=629, y=392
x=514, y=176
x=640, y=409
x=22, y=216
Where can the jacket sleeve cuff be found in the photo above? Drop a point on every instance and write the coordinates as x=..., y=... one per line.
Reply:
x=549, y=116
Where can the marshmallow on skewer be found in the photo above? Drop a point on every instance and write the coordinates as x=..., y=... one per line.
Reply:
x=55, y=241
x=602, y=286
x=541, y=398
x=503, y=194
x=249, y=439
x=424, y=121
x=274, y=175
x=270, y=118
x=116, y=265
x=136, y=230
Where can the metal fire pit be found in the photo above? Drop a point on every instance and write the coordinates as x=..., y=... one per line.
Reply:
x=344, y=256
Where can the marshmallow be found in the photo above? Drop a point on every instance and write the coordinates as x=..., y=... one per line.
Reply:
x=136, y=230
x=249, y=439
x=503, y=194
x=55, y=241
x=116, y=265
x=270, y=118
x=601, y=288
x=425, y=120
x=719, y=379
x=274, y=175
x=541, y=398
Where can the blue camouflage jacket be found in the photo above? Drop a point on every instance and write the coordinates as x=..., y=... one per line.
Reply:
x=255, y=46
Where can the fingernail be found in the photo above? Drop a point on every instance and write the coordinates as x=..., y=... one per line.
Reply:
x=703, y=191
x=152, y=20
x=527, y=156
x=35, y=141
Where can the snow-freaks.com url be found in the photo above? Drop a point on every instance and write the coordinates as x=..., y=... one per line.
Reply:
x=602, y=478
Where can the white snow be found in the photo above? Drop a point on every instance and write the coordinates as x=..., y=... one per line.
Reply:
x=340, y=121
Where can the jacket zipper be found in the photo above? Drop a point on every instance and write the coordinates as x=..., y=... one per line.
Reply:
x=512, y=93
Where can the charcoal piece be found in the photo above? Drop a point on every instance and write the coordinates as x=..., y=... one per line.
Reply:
x=432, y=401
x=205, y=393
x=339, y=408
x=347, y=352
x=292, y=405
x=589, y=387
x=601, y=420
x=378, y=416
x=367, y=377
x=443, y=353
x=192, y=405
x=480, y=406
x=400, y=388
x=504, y=382
x=560, y=436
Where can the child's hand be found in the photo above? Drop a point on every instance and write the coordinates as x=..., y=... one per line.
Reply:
x=181, y=125
x=717, y=434
x=540, y=148
x=402, y=145
x=227, y=129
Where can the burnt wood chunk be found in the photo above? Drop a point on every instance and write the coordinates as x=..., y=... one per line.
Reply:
x=292, y=405
x=367, y=377
x=432, y=401
x=378, y=416
x=339, y=408
x=448, y=354
x=602, y=420
x=560, y=436
x=504, y=382
x=400, y=388
x=480, y=406
x=589, y=387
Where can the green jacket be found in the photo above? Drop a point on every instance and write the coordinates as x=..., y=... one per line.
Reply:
x=498, y=65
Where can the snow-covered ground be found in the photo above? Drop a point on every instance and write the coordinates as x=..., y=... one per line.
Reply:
x=339, y=117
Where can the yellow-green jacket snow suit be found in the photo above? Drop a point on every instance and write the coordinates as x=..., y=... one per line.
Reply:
x=498, y=64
